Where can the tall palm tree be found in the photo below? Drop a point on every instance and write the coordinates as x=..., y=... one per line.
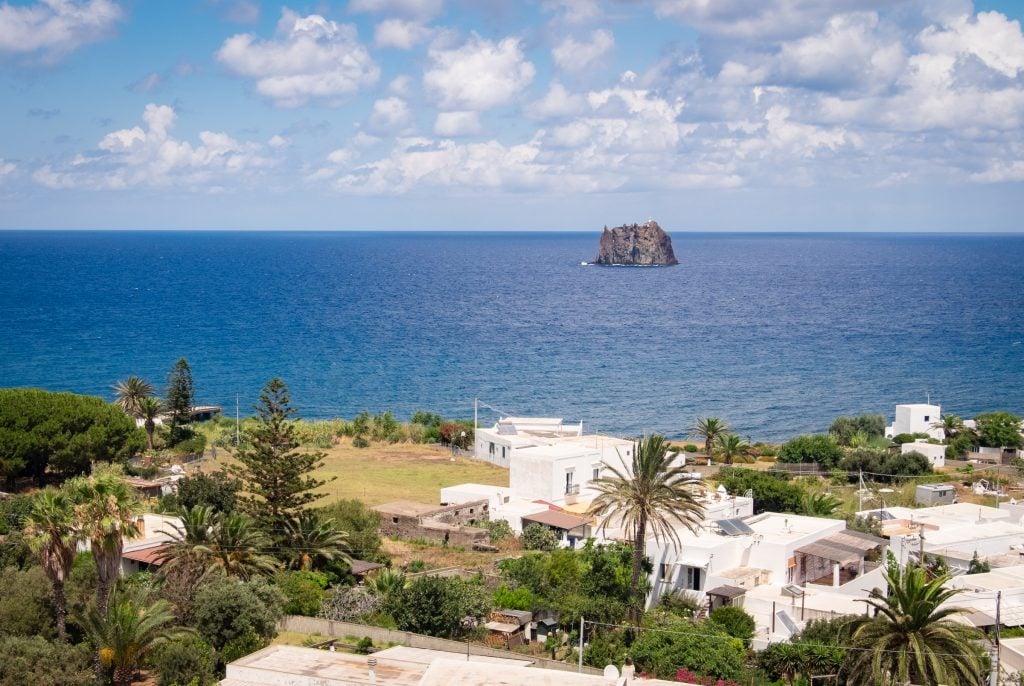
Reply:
x=149, y=409
x=709, y=428
x=309, y=539
x=129, y=392
x=730, y=446
x=53, y=536
x=912, y=638
x=106, y=509
x=127, y=632
x=239, y=547
x=647, y=494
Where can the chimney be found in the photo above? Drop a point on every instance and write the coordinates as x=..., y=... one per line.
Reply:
x=140, y=523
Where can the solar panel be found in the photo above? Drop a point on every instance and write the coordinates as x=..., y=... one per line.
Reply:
x=734, y=527
x=507, y=429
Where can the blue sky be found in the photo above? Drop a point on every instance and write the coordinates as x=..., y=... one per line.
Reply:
x=881, y=115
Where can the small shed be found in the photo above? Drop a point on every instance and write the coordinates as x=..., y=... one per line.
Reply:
x=935, y=494
x=506, y=628
x=723, y=596
x=567, y=527
x=361, y=569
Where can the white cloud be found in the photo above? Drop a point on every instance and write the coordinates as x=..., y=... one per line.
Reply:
x=576, y=55
x=575, y=11
x=478, y=75
x=400, y=34
x=277, y=141
x=623, y=120
x=765, y=19
x=55, y=28
x=148, y=83
x=390, y=115
x=803, y=140
x=422, y=9
x=1001, y=172
x=401, y=85
x=309, y=57
x=457, y=124
x=557, y=102
x=991, y=37
x=150, y=156
x=6, y=168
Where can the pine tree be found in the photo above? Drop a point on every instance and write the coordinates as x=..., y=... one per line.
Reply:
x=180, y=397
x=275, y=474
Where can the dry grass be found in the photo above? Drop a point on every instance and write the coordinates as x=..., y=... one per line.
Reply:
x=383, y=473
x=437, y=556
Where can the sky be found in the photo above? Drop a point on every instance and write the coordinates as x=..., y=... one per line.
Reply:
x=707, y=115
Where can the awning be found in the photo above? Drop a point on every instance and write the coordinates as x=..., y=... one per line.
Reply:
x=844, y=547
x=557, y=520
x=692, y=559
x=727, y=591
x=147, y=556
x=502, y=627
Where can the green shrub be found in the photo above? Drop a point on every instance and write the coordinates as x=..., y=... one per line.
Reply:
x=820, y=449
x=364, y=646
x=690, y=448
x=513, y=598
x=227, y=611
x=499, y=530
x=303, y=591
x=25, y=608
x=736, y=622
x=183, y=661
x=193, y=445
x=245, y=644
x=360, y=442
x=539, y=537
x=34, y=660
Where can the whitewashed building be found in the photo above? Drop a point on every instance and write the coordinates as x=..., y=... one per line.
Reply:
x=497, y=444
x=916, y=418
x=935, y=453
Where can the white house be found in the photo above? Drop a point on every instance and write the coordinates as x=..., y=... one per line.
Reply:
x=935, y=453
x=496, y=444
x=916, y=418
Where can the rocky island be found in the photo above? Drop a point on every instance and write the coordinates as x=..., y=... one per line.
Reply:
x=644, y=244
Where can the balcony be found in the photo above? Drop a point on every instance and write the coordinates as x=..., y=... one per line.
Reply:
x=571, y=492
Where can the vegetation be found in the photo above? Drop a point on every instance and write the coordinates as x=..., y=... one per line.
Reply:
x=709, y=429
x=705, y=648
x=886, y=466
x=438, y=606
x=539, y=537
x=730, y=448
x=850, y=430
x=129, y=394
x=52, y=533
x=62, y=434
x=819, y=449
x=912, y=639
x=772, y=492
x=999, y=430
x=275, y=475
x=180, y=399
x=648, y=494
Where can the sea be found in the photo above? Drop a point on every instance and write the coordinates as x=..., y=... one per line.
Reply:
x=777, y=334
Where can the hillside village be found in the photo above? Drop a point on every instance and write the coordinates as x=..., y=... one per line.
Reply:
x=779, y=564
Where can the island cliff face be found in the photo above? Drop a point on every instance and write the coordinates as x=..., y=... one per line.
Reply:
x=636, y=244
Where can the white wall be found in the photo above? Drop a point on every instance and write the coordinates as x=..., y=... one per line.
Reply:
x=936, y=454
x=917, y=418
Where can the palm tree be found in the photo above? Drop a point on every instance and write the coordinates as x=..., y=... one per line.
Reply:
x=308, y=539
x=387, y=583
x=952, y=425
x=127, y=632
x=238, y=547
x=709, y=428
x=730, y=446
x=191, y=542
x=912, y=638
x=649, y=493
x=53, y=536
x=129, y=393
x=106, y=510
x=820, y=504
x=149, y=409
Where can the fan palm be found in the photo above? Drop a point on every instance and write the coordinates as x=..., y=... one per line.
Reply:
x=951, y=425
x=190, y=542
x=647, y=494
x=912, y=638
x=127, y=632
x=309, y=539
x=709, y=428
x=149, y=409
x=238, y=547
x=730, y=446
x=129, y=392
x=53, y=536
x=106, y=510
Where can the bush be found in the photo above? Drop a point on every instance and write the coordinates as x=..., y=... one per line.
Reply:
x=513, y=598
x=217, y=490
x=772, y=492
x=361, y=525
x=679, y=603
x=360, y=442
x=690, y=448
x=184, y=661
x=820, y=449
x=705, y=648
x=539, y=537
x=245, y=644
x=499, y=530
x=229, y=611
x=25, y=608
x=34, y=660
x=303, y=592
x=364, y=646
x=13, y=511
x=193, y=445
x=436, y=606
x=736, y=622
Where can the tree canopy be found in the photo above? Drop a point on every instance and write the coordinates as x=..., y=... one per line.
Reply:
x=180, y=399
x=818, y=448
x=999, y=430
x=63, y=433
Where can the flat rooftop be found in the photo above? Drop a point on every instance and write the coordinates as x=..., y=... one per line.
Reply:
x=405, y=508
x=282, y=664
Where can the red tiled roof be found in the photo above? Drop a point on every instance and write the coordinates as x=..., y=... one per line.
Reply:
x=149, y=556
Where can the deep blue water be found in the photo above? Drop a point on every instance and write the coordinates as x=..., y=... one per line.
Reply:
x=776, y=333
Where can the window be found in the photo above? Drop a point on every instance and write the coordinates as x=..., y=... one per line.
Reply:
x=394, y=520
x=503, y=452
x=926, y=418
x=492, y=448
x=597, y=473
x=666, y=572
x=693, y=575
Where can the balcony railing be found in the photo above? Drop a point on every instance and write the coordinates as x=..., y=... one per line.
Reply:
x=572, y=489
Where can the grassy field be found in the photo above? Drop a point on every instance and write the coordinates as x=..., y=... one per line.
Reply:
x=383, y=473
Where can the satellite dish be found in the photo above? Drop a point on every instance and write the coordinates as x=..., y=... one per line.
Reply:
x=611, y=673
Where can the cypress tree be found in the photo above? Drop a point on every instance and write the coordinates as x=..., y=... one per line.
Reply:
x=276, y=475
x=180, y=398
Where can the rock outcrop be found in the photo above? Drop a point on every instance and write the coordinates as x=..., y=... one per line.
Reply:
x=636, y=244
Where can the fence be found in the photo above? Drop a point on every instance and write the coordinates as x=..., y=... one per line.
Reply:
x=332, y=629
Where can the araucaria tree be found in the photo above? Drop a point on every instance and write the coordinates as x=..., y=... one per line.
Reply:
x=647, y=494
x=180, y=398
x=912, y=639
x=276, y=476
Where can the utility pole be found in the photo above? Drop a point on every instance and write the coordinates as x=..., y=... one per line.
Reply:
x=237, y=424
x=995, y=652
x=580, y=667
